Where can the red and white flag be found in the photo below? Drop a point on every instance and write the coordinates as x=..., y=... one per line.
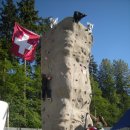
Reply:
x=24, y=43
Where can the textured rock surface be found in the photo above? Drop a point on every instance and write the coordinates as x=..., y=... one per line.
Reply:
x=65, y=55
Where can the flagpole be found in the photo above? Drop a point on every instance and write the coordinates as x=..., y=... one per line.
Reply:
x=25, y=89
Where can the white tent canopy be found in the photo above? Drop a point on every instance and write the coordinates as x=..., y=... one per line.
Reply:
x=3, y=114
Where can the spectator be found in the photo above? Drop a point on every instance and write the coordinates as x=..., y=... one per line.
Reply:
x=99, y=122
x=90, y=127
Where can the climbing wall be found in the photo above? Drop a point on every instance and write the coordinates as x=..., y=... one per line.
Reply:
x=65, y=55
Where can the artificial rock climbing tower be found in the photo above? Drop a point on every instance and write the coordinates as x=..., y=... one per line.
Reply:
x=65, y=56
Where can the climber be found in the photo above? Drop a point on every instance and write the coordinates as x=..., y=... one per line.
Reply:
x=46, y=91
x=99, y=122
x=53, y=22
x=89, y=27
x=78, y=16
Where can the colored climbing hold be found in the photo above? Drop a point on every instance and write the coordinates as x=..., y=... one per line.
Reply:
x=46, y=58
x=61, y=73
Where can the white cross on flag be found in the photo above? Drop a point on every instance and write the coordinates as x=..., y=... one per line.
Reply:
x=24, y=43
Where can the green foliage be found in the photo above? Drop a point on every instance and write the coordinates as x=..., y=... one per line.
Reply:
x=99, y=105
x=7, y=19
x=28, y=17
x=93, y=70
x=106, y=79
x=110, y=97
x=21, y=90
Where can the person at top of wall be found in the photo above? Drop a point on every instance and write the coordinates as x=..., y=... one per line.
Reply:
x=90, y=27
x=78, y=16
x=53, y=22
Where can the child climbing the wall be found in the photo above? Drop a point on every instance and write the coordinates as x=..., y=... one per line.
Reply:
x=46, y=90
x=90, y=27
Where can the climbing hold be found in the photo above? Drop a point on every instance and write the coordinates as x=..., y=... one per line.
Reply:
x=48, y=52
x=84, y=71
x=85, y=67
x=69, y=72
x=61, y=73
x=46, y=58
x=73, y=100
x=85, y=102
x=52, y=40
x=73, y=121
x=65, y=76
x=79, y=100
x=71, y=126
x=82, y=117
x=84, y=53
x=82, y=50
x=77, y=59
x=44, y=109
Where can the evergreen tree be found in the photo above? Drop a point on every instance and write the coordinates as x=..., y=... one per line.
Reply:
x=100, y=105
x=106, y=80
x=122, y=80
x=8, y=15
x=13, y=78
x=121, y=75
x=28, y=18
x=93, y=68
x=7, y=20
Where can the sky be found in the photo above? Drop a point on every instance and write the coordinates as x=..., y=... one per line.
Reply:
x=111, y=19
